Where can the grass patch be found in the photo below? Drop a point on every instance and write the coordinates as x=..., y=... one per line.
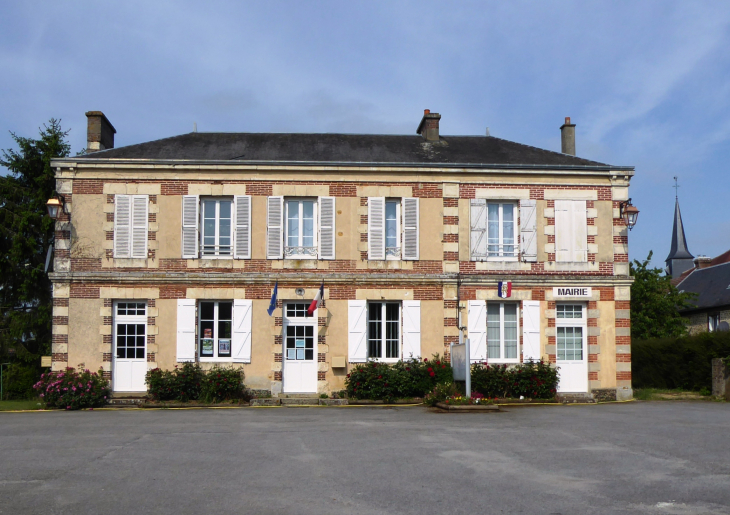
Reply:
x=20, y=405
x=667, y=394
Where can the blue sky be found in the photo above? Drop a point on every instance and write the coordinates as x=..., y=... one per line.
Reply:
x=647, y=83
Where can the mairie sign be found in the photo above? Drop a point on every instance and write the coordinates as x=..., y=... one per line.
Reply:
x=571, y=291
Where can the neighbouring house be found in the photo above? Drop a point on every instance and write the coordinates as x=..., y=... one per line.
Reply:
x=710, y=280
x=170, y=251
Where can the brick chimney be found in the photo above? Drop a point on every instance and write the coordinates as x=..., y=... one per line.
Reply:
x=99, y=132
x=702, y=262
x=567, y=137
x=429, y=126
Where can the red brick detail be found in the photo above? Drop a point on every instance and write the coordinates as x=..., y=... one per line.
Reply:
x=151, y=321
x=428, y=293
x=449, y=304
x=151, y=235
x=106, y=320
x=623, y=376
x=593, y=376
x=623, y=340
x=173, y=264
x=620, y=239
x=342, y=265
x=277, y=375
x=606, y=293
x=110, y=199
x=59, y=338
x=590, y=239
x=363, y=255
x=450, y=322
x=341, y=292
x=537, y=193
x=551, y=358
x=621, y=258
x=321, y=357
x=592, y=322
x=321, y=321
x=592, y=358
x=451, y=256
x=451, y=202
x=451, y=220
x=257, y=265
x=277, y=357
x=623, y=322
x=363, y=201
x=174, y=188
x=622, y=304
x=428, y=190
x=58, y=356
x=85, y=264
x=62, y=235
x=551, y=322
x=106, y=339
x=173, y=292
x=589, y=204
x=259, y=292
x=451, y=238
x=278, y=322
x=321, y=376
x=107, y=357
x=550, y=203
x=277, y=339
x=343, y=189
x=428, y=267
x=60, y=302
x=321, y=339
x=151, y=338
x=81, y=291
x=108, y=303
x=259, y=189
x=109, y=235
x=468, y=293
x=60, y=321
x=623, y=358
x=448, y=340
x=551, y=238
x=107, y=375
x=87, y=187
x=363, y=236
x=151, y=357
x=62, y=253
x=593, y=340
x=364, y=219
x=538, y=294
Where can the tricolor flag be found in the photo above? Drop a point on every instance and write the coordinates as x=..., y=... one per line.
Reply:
x=504, y=289
x=272, y=304
x=317, y=301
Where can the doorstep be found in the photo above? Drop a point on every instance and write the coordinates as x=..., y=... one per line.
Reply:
x=305, y=401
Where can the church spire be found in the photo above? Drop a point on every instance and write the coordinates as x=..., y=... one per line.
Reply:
x=679, y=259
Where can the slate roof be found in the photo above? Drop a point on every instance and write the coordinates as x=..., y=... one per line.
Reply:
x=712, y=283
x=342, y=148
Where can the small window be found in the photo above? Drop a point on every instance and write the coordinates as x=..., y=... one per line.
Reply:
x=569, y=311
x=502, y=338
x=384, y=331
x=296, y=309
x=131, y=309
x=216, y=235
x=392, y=229
x=713, y=321
x=215, y=322
x=301, y=234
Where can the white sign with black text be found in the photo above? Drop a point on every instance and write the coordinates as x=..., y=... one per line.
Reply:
x=571, y=291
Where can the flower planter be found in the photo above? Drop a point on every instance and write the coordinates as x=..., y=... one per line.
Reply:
x=462, y=408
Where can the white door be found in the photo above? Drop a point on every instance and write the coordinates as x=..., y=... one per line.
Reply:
x=571, y=348
x=130, y=347
x=299, y=359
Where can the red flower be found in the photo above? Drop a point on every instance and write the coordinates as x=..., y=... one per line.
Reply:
x=425, y=360
x=430, y=369
x=432, y=374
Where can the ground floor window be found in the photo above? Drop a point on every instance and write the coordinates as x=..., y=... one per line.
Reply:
x=502, y=324
x=570, y=331
x=130, y=329
x=215, y=322
x=384, y=330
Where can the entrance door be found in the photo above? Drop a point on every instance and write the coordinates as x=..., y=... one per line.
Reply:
x=571, y=355
x=300, y=365
x=130, y=347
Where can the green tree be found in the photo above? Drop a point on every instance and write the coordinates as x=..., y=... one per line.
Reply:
x=655, y=303
x=26, y=232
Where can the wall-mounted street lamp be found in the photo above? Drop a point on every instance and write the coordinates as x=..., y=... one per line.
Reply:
x=55, y=206
x=629, y=213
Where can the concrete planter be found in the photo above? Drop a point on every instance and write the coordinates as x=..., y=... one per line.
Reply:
x=365, y=402
x=480, y=408
x=332, y=402
x=268, y=401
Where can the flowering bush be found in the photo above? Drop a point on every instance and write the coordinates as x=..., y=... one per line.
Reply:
x=530, y=380
x=73, y=390
x=440, y=393
x=403, y=379
x=190, y=383
x=459, y=400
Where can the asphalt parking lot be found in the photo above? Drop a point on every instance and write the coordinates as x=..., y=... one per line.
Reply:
x=659, y=457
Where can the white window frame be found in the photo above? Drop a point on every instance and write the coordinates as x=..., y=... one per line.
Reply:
x=314, y=249
x=383, y=329
x=201, y=222
x=501, y=358
x=581, y=323
x=394, y=253
x=129, y=320
x=515, y=231
x=216, y=319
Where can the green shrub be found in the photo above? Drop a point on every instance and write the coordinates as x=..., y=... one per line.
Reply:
x=18, y=381
x=404, y=379
x=73, y=390
x=440, y=393
x=191, y=383
x=677, y=363
x=222, y=384
x=531, y=380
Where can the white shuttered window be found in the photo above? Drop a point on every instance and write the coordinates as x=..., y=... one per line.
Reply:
x=357, y=326
x=493, y=230
x=275, y=228
x=410, y=229
x=130, y=226
x=477, y=327
x=242, y=234
x=376, y=228
x=190, y=226
x=571, y=232
x=326, y=227
x=528, y=230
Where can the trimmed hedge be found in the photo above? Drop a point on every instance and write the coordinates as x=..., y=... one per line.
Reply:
x=529, y=380
x=404, y=379
x=684, y=362
x=191, y=383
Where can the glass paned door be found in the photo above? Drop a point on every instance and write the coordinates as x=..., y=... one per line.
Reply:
x=130, y=347
x=299, y=356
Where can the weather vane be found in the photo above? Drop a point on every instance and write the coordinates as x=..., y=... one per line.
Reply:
x=676, y=188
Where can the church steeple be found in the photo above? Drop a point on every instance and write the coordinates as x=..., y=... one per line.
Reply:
x=679, y=259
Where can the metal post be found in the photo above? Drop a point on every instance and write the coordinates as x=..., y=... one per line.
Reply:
x=1, y=379
x=468, y=368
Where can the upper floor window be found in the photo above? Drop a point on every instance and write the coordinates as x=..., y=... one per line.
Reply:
x=493, y=233
x=130, y=226
x=301, y=237
x=393, y=228
x=571, y=232
x=216, y=227
x=216, y=236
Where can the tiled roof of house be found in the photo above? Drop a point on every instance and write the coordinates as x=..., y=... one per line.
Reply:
x=711, y=283
x=342, y=148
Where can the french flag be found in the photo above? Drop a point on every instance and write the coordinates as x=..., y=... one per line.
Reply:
x=317, y=301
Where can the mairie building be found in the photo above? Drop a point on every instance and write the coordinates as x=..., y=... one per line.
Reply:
x=172, y=251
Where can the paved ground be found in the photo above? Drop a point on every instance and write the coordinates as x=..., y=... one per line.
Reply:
x=660, y=457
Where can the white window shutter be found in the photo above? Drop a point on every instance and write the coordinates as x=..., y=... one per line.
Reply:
x=185, y=330
x=241, y=344
x=190, y=238
x=376, y=227
x=357, y=324
x=140, y=225
x=580, y=231
x=411, y=329
x=326, y=227
x=410, y=228
x=531, y=330
x=242, y=234
x=477, y=327
x=122, y=225
x=563, y=230
x=275, y=228
x=478, y=233
x=528, y=230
